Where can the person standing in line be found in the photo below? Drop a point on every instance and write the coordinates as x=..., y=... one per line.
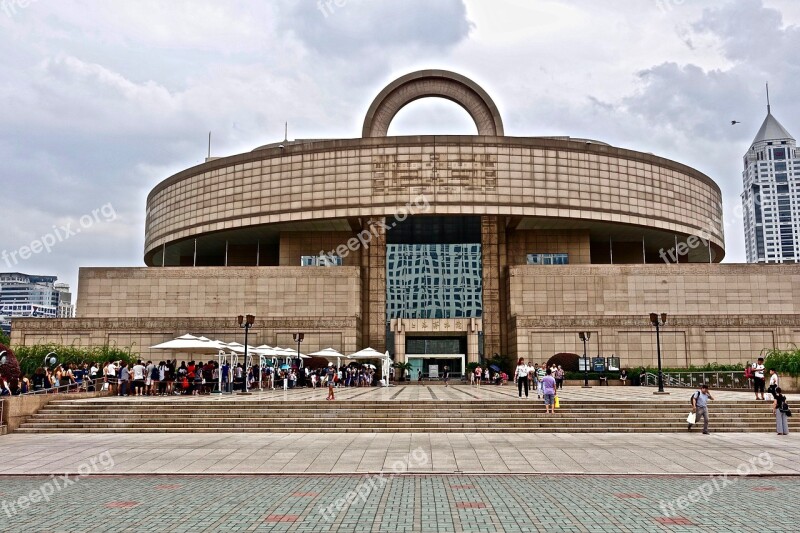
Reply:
x=124, y=379
x=774, y=382
x=700, y=405
x=521, y=373
x=540, y=374
x=549, y=392
x=758, y=377
x=779, y=410
x=138, y=378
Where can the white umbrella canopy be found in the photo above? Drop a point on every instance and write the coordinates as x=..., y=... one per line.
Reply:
x=266, y=350
x=367, y=353
x=327, y=353
x=289, y=352
x=189, y=344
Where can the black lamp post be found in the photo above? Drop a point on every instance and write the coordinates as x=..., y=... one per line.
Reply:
x=584, y=336
x=245, y=322
x=654, y=320
x=298, y=338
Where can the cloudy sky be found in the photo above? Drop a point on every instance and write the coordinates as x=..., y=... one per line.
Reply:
x=102, y=99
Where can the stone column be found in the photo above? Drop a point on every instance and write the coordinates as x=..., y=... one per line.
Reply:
x=373, y=288
x=495, y=302
x=399, y=341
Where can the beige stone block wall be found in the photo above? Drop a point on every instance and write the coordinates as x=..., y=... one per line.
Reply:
x=686, y=289
x=573, y=242
x=137, y=335
x=219, y=292
x=295, y=244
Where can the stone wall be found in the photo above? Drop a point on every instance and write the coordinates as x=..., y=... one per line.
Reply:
x=138, y=334
x=716, y=313
x=219, y=292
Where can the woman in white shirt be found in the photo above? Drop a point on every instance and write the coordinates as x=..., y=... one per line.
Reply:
x=521, y=374
x=773, y=382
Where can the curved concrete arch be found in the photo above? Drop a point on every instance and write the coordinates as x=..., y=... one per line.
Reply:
x=433, y=83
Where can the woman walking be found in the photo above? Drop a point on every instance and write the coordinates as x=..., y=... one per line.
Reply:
x=779, y=410
x=521, y=374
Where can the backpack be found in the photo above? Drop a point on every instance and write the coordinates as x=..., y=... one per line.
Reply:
x=748, y=372
x=695, y=395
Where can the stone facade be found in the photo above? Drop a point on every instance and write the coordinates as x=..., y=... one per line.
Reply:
x=187, y=292
x=716, y=313
x=138, y=334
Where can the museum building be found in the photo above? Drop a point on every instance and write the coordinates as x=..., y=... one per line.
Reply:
x=441, y=249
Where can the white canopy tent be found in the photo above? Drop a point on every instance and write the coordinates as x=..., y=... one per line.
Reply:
x=330, y=354
x=191, y=344
x=369, y=354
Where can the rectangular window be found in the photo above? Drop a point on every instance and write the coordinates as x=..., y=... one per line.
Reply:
x=320, y=260
x=780, y=167
x=548, y=259
x=779, y=154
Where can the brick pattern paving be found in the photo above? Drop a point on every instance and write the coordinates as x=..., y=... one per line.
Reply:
x=402, y=503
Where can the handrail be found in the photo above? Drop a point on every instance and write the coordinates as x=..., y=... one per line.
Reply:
x=71, y=387
x=715, y=379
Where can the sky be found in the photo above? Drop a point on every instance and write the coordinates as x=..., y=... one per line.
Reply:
x=102, y=100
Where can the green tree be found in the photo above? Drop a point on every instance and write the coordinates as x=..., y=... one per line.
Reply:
x=403, y=368
x=4, y=339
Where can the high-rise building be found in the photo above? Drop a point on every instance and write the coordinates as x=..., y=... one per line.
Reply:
x=24, y=295
x=65, y=307
x=771, y=196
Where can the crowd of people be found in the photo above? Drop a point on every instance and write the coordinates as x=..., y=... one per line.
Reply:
x=167, y=378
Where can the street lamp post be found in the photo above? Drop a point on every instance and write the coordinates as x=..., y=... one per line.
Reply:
x=584, y=336
x=245, y=322
x=298, y=338
x=657, y=321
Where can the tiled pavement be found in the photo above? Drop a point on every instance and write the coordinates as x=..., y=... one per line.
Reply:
x=403, y=503
x=354, y=453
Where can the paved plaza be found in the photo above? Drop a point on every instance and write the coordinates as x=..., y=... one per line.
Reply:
x=403, y=504
x=430, y=482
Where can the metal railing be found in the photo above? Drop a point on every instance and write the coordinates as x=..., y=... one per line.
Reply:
x=87, y=385
x=716, y=380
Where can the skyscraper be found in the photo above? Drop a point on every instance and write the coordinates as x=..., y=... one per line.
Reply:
x=771, y=196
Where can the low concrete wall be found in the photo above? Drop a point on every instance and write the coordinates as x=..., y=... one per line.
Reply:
x=17, y=409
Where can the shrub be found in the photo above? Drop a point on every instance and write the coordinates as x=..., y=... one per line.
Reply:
x=32, y=357
x=784, y=361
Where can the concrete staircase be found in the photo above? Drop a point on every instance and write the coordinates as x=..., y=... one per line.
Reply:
x=231, y=416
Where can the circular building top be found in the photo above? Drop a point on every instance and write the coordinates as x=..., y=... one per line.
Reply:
x=433, y=83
